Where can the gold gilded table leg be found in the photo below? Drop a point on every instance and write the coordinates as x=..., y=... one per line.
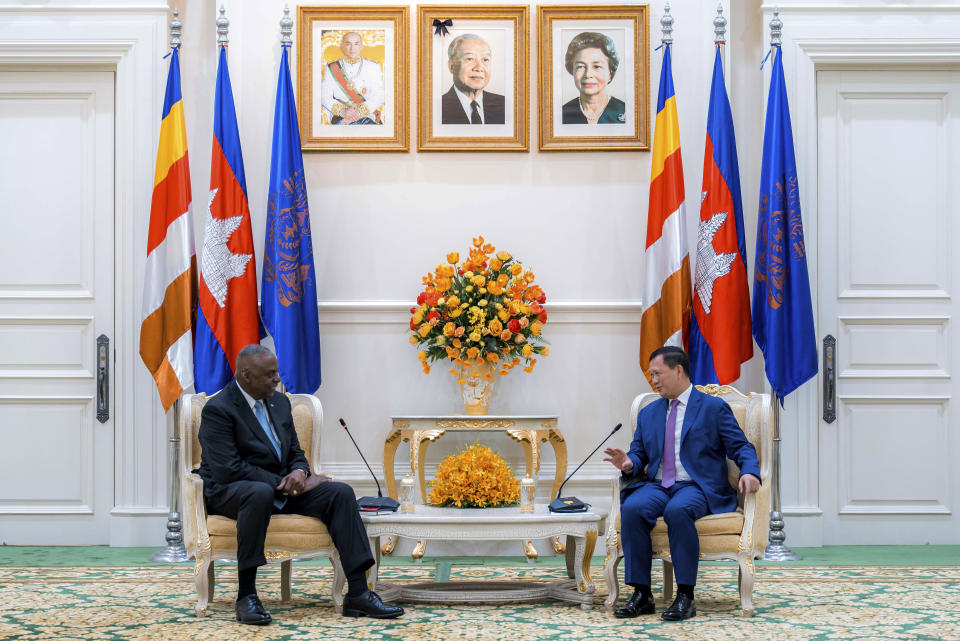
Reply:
x=419, y=551
x=390, y=446
x=530, y=551
x=560, y=452
x=589, y=545
x=558, y=546
x=389, y=545
x=419, y=441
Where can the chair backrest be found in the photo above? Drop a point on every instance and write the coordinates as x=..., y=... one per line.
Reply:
x=307, y=420
x=753, y=413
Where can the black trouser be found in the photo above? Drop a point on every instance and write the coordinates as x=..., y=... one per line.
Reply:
x=251, y=504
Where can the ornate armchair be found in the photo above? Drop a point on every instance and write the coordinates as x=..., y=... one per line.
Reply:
x=735, y=536
x=211, y=537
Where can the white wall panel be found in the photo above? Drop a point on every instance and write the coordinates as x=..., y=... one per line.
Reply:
x=63, y=430
x=40, y=262
x=896, y=455
x=894, y=347
x=877, y=198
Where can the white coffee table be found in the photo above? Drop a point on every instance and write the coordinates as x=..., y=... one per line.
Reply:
x=491, y=524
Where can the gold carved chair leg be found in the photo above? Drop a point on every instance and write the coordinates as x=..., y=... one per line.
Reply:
x=667, y=580
x=285, y=572
x=339, y=580
x=745, y=585
x=202, y=577
x=211, y=580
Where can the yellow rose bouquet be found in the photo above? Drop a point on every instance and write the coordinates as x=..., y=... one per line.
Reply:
x=485, y=309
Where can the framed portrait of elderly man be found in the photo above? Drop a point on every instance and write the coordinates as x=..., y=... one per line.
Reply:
x=594, y=70
x=472, y=87
x=352, y=65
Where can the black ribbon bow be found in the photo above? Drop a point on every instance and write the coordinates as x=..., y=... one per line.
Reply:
x=440, y=26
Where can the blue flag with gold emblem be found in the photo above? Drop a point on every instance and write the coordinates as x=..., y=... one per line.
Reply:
x=289, y=288
x=782, y=309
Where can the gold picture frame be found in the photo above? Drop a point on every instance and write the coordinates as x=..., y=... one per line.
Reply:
x=353, y=78
x=496, y=40
x=581, y=50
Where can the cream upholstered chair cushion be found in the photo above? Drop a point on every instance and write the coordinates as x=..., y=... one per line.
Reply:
x=211, y=537
x=735, y=536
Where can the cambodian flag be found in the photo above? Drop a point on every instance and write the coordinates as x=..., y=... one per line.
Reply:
x=782, y=309
x=289, y=284
x=228, y=318
x=720, y=338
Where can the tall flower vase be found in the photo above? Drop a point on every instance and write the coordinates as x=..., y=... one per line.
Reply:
x=476, y=386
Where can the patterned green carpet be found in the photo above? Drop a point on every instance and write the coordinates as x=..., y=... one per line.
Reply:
x=792, y=602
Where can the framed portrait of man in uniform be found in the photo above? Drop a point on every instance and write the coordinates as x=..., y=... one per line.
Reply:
x=593, y=66
x=472, y=87
x=352, y=65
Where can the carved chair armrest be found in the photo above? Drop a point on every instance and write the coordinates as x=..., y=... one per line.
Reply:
x=756, y=518
x=194, y=514
x=612, y=532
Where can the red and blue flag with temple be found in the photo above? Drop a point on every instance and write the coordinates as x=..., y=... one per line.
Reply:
x=720, y=331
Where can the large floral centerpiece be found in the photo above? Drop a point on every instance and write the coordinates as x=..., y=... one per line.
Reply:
x=476, y=477
x=485, y=314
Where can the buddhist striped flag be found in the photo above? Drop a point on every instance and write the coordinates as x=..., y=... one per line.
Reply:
x=666, y=318
x=170, y=284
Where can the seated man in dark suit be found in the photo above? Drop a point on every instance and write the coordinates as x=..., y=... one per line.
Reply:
x=677, y=469
x=252, y=467
x=466, y=103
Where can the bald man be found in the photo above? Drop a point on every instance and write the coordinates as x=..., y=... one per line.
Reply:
x=351, y=90
x=253, y=467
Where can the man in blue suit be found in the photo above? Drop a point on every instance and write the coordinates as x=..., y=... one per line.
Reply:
x=676, y=468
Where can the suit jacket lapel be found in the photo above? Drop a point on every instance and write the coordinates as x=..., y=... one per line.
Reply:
x=660, y=421
x=253, y=424
x=690, y=414
x=282, y=435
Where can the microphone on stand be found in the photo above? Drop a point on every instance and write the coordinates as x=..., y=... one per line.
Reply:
x=378, y=503
x=566, y=505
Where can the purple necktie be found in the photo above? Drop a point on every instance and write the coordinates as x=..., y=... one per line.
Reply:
x=669, y=447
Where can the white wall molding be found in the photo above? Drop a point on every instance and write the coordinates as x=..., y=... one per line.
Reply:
x=389, y=312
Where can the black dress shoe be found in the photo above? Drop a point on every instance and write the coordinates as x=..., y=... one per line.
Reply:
x=251, y=612
x=683, y=607
x=637, y=605
x=369, y=604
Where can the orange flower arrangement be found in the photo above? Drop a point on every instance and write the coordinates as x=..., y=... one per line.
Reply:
x=476, y=477
x=486, y=309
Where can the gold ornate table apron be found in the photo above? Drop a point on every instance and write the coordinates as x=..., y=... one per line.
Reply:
x=489, y=524
x=420, y=431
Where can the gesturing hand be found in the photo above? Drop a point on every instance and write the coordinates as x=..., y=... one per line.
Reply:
x=619, y=459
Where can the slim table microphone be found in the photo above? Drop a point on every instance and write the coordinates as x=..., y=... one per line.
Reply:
x=378, y=503
x=565, y=505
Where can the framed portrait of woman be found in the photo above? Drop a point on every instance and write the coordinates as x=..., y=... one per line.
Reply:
x=472, y=84
x=352, y=78
x=594, y=70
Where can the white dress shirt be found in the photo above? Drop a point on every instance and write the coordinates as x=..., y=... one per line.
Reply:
x=465, y=103
x=684, y=398
x=251, y=401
